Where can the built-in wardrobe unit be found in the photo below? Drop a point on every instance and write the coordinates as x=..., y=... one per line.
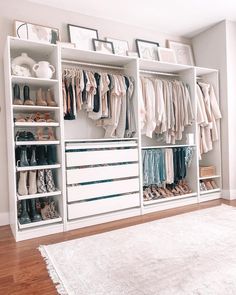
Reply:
x=97, y=179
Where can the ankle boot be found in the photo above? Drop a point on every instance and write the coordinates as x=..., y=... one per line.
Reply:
x=23, y=157
x=50, y=99
x=24, y=217
x=50, y=181
x=41, y=155
x=32, y=183
x=33, y=161
x=40, y=98
x=33, y=212
x=51, y=135
x=16, y=91
x=41, y=182
x=27, y=99
x=22, y=184
x=51, y=154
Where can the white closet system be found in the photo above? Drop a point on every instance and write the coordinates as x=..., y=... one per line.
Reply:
x=107, y=172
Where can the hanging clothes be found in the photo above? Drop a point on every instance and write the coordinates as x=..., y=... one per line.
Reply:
x=107, y=99
x=165, y=109
x=208, y=113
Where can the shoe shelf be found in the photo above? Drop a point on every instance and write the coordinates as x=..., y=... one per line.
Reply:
x=37, y=142
x=39, y=167
x=33, y=108
x=210, y=191
x=169, y=199
x=39, y=195
x=36, y=124
x=33, y=81
x=39, y=223
x=210, y=177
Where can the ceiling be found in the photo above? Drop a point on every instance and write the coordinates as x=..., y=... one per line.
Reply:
x=176, y=17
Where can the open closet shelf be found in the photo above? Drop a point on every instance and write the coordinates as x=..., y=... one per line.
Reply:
x=39, y=195
x=204, y=71
x=39, y=167
x=39, y=223
x=152, y=202
x=34, y=108
x=33, y=81
x=100, y=139
x=38, y=142
x=36, y=124
x=210, y=177
x=73, y=54
x=167, y=146
x=151, y=65
x=210, y=191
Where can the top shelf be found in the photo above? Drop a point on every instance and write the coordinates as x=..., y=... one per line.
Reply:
x=152, y=65
x=94, y=57
x=33, y=81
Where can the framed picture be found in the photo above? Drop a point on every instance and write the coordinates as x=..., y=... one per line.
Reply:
x=120, y=46
x=34, y=32
x=82, y=36
x=166, y=55
x=103, y=46
x=183, y=52
x=147, y=49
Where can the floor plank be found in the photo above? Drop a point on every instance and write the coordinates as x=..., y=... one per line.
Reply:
x=23, y=270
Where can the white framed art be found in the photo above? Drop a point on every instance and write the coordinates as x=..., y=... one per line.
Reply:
x=121, y=47
x=183, y=52
x=147, y=49
x=166, y=55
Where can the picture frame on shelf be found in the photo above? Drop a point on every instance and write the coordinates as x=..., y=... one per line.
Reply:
x=147, y=49
x=121, y=47
x=183, y=52
x=103, y=46
x=35, y=32
x=166, y=55
x=82, y=36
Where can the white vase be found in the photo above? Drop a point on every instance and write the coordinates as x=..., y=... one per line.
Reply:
x=43, y=70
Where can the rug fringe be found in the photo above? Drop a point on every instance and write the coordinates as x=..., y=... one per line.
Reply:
x=52, y=272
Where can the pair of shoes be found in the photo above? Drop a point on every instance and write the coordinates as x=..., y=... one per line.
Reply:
x=22, y=159
x=37, y=117
x=48, y=209
x=45, y=98
x=46, y=155
x=24, y=136
x=40, y=135
x=28, y=212
x=208, y=184
x=17, y=99
x=45, y=181
x=31, y=182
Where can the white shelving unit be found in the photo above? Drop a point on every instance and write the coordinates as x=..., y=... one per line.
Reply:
x=85, y=194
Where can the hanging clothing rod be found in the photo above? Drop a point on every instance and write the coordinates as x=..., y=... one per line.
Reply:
x=72, y=62
x=159, y=73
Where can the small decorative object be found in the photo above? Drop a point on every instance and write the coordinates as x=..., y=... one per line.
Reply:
x=22, y=65
x=132, y=53
x=28, y=31
x=147, y=49
x=43, y=70
x=103, y=46
x=183, y=52
x=66, y=44
x=205, y=171
x=82, y=36
x=166, y=55
x=120, y=46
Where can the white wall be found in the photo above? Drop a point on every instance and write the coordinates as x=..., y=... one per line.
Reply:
x=23, y=10
x=216, y=48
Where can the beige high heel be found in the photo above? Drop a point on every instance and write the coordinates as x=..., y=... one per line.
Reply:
x=40, y=98
x=51, y=135
x=50, y=99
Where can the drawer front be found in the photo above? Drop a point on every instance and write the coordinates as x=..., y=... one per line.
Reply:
x=96, y=190
x=97, y=157
x=81, y=175
x=84, y=209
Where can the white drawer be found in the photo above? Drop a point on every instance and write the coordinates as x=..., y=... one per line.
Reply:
x=84, y=209
x=96, y=157
x=96, y=190
x=81, y=175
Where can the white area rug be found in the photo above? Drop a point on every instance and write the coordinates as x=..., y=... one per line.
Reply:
x=193, y=253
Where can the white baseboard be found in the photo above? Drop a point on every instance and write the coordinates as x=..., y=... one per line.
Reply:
x=4, y=218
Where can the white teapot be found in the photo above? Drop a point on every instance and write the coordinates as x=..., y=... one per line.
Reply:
x=43, y=70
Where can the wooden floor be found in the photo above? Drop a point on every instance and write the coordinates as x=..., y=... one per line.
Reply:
x=22, y=269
